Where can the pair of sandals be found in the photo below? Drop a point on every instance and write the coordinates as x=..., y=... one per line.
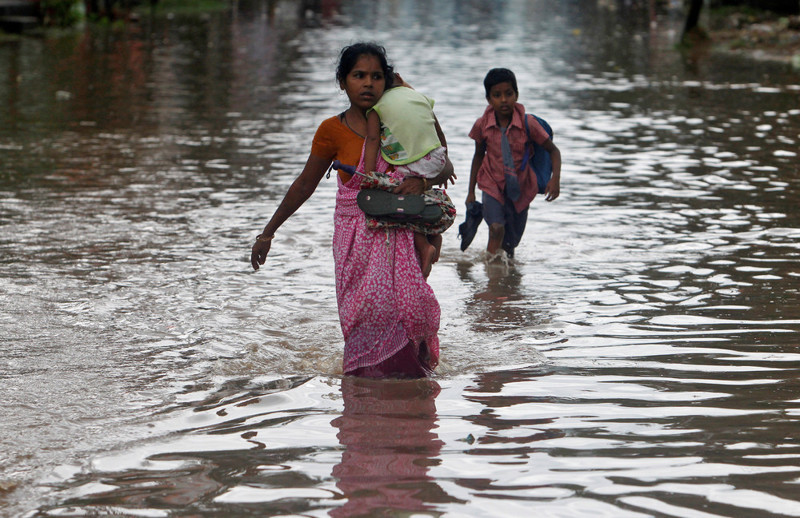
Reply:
x=398, y=207
x=430, y=213
x=412, y=208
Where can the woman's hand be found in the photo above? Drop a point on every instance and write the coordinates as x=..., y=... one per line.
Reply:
x=411, y=185
x=260, y=250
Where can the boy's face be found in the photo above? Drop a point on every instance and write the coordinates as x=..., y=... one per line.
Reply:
x=502, y=98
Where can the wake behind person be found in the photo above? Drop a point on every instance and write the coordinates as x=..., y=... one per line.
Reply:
x=387, y=311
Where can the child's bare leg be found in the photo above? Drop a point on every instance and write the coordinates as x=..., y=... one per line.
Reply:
x=436, y=241
x=426, y=253
x=496, y=233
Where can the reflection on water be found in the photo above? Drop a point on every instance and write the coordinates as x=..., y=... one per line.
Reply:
x=241, y=452
x=637, y=358
x=389, y=444
x=497, y=302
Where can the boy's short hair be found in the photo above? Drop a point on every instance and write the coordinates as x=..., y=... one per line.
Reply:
x=496, y=76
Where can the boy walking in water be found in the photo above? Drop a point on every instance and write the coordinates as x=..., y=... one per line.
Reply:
x=508, y=185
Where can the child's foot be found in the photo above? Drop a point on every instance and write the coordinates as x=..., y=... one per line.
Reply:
x=427, y=257
x=436, y=241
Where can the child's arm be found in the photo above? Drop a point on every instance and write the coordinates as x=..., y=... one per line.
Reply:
x=448, y=173
x=553, y=188
x=373, y=141
x=439, y=132
x=477, y=160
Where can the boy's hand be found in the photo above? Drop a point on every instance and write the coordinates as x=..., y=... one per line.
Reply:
x=553, y=189
x=470, y=198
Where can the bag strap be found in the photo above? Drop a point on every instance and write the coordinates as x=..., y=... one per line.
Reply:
x=527, y=128
x=527, y=156
x=529, y=143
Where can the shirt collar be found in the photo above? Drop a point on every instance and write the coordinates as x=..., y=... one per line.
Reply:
x=516, y=117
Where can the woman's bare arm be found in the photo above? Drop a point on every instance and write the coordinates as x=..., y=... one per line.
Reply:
x=300, y=190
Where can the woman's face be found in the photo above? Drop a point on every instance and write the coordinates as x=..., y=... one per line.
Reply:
x=365, y=83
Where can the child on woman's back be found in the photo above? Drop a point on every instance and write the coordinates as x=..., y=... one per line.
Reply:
x=403, y=129
x=509, y=186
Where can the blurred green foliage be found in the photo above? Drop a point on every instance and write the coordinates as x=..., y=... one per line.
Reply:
x=62, y=13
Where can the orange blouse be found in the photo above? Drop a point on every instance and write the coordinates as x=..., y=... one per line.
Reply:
x=335, y=141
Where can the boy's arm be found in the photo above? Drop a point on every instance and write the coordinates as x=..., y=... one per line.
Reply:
x=477, y=160
x=553, y=188
x=373, y=141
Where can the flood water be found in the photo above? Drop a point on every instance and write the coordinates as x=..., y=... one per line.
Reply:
x=638, y=358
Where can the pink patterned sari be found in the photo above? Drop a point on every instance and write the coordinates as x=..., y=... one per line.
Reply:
x=388, y=312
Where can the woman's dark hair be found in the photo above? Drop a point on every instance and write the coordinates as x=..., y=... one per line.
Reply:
x=496, y=76
x=349, y=57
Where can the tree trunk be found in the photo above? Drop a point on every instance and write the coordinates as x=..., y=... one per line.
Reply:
x=91, y=7
x=693, y=16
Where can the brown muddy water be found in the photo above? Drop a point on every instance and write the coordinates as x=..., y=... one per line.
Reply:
x=638, y=358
